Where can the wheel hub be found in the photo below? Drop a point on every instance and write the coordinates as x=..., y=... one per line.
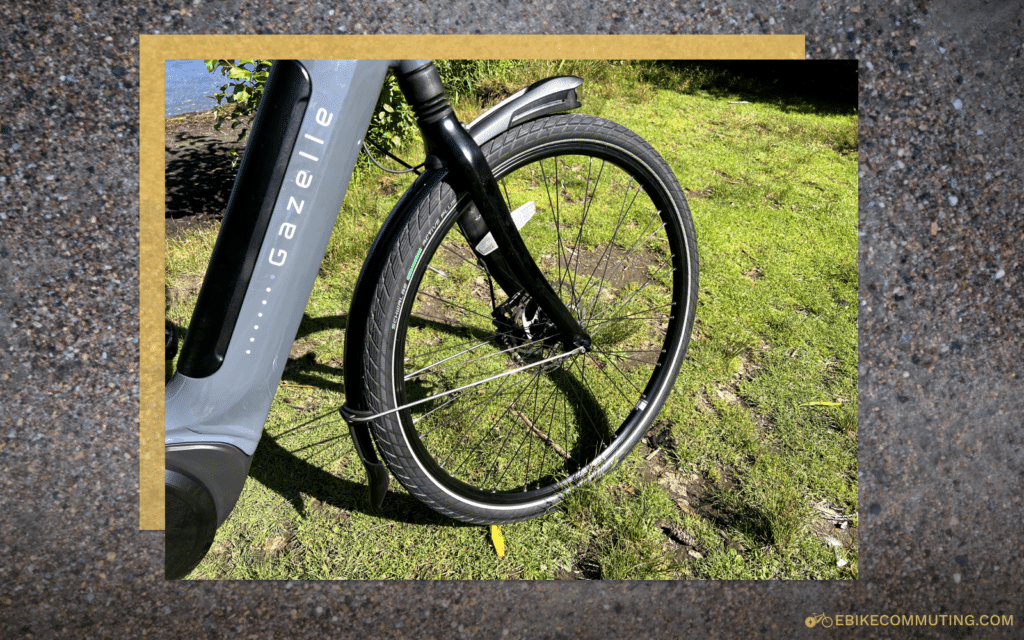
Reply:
x=524, y=327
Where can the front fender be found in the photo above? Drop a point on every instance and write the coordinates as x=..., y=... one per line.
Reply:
x=550, y=95
x=541, y=98
x=369, y=276
x=355, y=331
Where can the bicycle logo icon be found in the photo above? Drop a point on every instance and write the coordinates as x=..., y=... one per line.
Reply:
x=821, y=618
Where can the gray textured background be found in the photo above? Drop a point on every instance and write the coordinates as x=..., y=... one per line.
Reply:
x=941, y=269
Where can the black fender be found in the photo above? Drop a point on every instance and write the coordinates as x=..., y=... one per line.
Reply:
x=541, y=98
x=355, y=409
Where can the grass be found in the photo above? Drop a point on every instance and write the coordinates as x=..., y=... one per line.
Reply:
x=739, y=469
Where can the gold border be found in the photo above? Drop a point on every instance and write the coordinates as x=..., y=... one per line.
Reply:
x=154, y=50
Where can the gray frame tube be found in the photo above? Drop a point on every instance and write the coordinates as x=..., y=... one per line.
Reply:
x=231, y=405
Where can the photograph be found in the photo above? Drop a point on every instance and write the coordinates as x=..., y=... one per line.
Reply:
x=511, y=319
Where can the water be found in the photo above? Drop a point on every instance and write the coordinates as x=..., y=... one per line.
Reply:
x=189, y=87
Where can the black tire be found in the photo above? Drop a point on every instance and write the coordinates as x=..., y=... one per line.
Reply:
x=554, y=424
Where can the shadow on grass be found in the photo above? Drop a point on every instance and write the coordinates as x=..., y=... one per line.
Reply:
x=311, y=325
x=292, y=477
x=767, y=518
x=819, y=87
x=296, y=480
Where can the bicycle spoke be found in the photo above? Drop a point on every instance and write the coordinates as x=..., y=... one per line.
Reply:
x=632, y=358
x=618, y=387
x=554, y=211
x=596, y=328
x=583, y=222
x=527, y=439
x=622, y=261
x=508, y=436
x=475, y=421
x=453, y=398
x=420, y=356
x=470, y=422
x=475, y=384
x=582, y=405
x=472, y=263
x=631, y=296
x=447, y=302
x=606, y=254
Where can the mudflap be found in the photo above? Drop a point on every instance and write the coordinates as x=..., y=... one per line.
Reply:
x=376, y=471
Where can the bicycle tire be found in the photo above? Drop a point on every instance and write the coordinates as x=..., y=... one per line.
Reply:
x=567, y=429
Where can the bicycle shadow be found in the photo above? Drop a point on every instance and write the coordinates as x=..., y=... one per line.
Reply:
x=297, y=480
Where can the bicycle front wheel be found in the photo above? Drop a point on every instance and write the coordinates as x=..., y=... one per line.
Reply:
x=501, y=422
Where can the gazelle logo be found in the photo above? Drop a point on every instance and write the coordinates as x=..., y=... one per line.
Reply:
x=821, y=618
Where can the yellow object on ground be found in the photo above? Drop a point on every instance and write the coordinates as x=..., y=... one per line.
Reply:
x=498, y=540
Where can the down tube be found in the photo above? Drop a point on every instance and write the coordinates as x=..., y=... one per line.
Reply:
x=231, y=405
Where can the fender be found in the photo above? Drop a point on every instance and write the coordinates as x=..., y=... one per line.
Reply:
x=355, y=408
x=541, y=98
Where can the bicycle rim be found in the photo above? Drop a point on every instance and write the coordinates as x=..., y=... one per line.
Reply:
x=608, y=235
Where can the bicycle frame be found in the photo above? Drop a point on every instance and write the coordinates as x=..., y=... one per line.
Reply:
x=289, y=189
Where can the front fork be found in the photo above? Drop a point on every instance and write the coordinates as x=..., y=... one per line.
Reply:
x=449, y=142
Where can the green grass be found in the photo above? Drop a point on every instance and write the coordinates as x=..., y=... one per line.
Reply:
x=744, y=464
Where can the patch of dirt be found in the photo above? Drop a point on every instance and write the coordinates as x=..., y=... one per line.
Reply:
x=693, y=494
x=278, y=544
x=587, y=565
x=623, y=268
x=834, y=534
x=726, y=394
x=746, y=369
x=187, y=289
x=703, y=405
x=198, y=175
x=274, y=546
x=726, y=176
x=832, y=527
x=686, y=490
x=301, y=348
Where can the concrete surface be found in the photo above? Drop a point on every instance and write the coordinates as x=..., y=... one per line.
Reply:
x=941, y=301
